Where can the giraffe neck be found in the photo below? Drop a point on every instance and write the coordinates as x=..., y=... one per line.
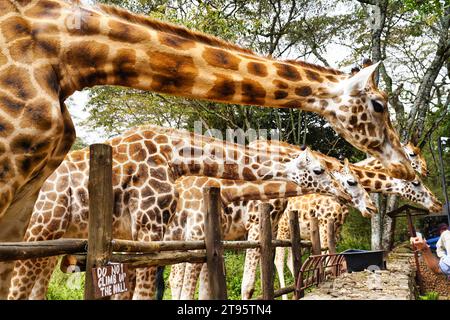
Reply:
x=377, y=181
x=197, y=155
x=108, y=46
x=235, y=191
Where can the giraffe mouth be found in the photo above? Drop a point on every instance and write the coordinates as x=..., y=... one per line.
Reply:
x=369, y=212
x=436, y=207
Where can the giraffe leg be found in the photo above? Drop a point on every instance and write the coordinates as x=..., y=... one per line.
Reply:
x=26, y=273
x=248, y=279
x=279, y=264
x=145, y=284
x=132, y=283
x=176, y=280
x=40, y=287
x=204, y=292
x=191, y=275
x=56, y=220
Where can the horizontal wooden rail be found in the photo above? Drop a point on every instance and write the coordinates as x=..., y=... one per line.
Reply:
x=285, y=290
x=142, y=260
x=10, y=251
x=157, y=246
x=279, y=292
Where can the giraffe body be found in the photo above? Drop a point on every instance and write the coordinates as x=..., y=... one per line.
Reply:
x=147, y=162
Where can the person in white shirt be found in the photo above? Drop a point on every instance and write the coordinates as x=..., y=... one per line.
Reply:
x=443, y=244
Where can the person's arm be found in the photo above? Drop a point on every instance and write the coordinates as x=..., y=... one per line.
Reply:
x=431, y=261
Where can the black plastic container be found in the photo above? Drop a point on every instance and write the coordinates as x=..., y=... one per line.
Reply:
x=359, y=260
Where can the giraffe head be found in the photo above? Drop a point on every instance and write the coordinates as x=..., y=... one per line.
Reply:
x=357, y=110
x=415, y=191
x=310, y=173
x=415, y=157
x=350, y=183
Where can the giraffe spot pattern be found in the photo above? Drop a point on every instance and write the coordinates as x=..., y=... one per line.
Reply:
x=313, y=76
x=125, y=69
x=44, y=9
x=252, y=92
x=176, y=42
x=173, y=74
x=221, y=59
x=287, y=71
x=257, y=69
x=279, y=94
x=224, y=88
x=17, y=81
x=125, y=32
x=303, y=91
x=15, y=28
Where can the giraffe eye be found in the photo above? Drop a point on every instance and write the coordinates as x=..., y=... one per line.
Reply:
x=377, y=106
x=351, y=183
x=412, y=154
x=416, y=183
x=319, y=171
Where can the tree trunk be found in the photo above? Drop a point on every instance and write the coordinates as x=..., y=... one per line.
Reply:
x=387, y=239
x=417, y=116
x=376, y=224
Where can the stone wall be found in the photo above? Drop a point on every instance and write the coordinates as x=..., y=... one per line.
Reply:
x=395, y=283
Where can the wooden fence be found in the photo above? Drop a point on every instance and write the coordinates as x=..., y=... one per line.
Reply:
x=100, y=249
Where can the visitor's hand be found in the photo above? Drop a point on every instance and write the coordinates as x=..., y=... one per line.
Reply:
x=419, y=243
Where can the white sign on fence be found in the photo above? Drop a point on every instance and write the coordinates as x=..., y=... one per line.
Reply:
x=110, y=280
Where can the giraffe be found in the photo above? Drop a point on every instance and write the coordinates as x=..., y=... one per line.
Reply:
x=147, y=162
x=413, y=154
x=325, y=208
x=373, y=181
x=183, y=279
x=52, y=48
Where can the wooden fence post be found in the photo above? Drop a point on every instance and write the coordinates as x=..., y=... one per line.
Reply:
x=331, y=232
x=267, y=252
x=100, y=212
x=296, y=247
x=316, y=247
x=213, y=243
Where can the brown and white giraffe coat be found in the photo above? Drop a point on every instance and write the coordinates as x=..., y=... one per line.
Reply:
x=147, y=162
x=51, y=48
x=239, y=218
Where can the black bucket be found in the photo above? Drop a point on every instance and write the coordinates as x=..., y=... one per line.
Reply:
x=359, y=260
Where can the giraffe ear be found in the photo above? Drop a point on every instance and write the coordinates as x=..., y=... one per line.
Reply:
x=304, y=156
x=346, y=166
x=361, y=79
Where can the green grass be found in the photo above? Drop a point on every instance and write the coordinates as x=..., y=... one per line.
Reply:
x=430, y=296
x=66, y=286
